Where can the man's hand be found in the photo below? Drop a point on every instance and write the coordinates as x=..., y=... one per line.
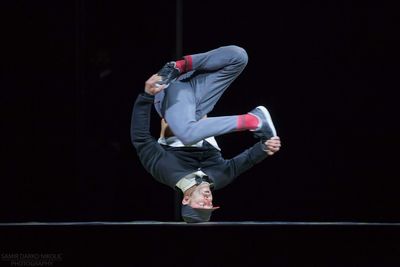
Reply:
x=272, y=145
x=151, y=87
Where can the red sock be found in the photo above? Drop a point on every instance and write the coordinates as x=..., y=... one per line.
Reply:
x=189, y=63
x=181, y=65
x=185, y=64
x=247, y=122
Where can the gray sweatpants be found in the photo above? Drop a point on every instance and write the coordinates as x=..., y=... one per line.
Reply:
x=195, y=94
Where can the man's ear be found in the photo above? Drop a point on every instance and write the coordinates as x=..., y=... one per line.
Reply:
x=185, y=200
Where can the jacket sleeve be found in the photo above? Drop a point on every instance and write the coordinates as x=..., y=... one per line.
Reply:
x=246, y=160
x=239, y=164
x=147, y=148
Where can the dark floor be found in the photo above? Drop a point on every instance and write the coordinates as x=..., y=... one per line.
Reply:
x=153, y=243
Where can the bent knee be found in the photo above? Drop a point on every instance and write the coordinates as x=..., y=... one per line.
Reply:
x=238, y=54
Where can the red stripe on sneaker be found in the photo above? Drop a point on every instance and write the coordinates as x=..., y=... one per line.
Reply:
x=189, y=62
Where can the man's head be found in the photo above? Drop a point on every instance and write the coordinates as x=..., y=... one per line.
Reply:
x=197, y=204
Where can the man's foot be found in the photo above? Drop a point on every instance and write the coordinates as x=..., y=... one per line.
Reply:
x=266, y=129
x=168, y=73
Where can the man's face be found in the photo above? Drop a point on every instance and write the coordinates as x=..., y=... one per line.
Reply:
x=201, y=197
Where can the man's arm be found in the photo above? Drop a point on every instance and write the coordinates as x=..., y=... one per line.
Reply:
x=141, y=114
x=146, y=146
x=250, y=157
x=140, y=121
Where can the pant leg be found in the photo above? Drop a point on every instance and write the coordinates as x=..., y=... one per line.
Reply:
x=216, y=70
x=186, y=101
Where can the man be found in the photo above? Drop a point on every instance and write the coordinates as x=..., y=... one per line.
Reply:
x=183, y=93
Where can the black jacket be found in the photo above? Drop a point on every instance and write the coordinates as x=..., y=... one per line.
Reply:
x=169, y=164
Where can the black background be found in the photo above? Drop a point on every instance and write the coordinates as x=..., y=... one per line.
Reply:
x=327, y=71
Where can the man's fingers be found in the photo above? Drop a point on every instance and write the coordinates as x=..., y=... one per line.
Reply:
x=160, y=88
x=151, y=85
x=273, y=147
x=156, y=89
x=274, y=144
x=154, y=79
x=270, y=152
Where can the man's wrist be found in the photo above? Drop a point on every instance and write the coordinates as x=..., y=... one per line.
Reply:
x=264, y=146
x=147, y=97
x=147, y=94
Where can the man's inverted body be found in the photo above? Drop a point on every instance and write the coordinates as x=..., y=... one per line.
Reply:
x=183, y=97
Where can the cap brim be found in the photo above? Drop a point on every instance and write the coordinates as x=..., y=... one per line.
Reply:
x=212, y=209
x=190, y=214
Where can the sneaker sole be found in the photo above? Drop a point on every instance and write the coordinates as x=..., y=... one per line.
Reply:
x=269, y=119
x=159, y=85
